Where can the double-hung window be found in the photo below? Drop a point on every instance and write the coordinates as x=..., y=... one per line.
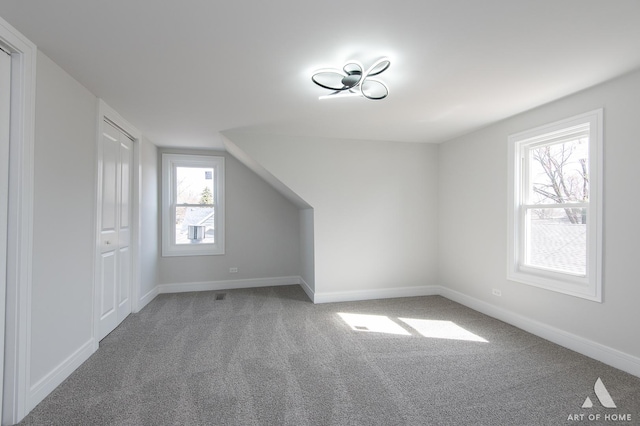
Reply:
x=192, y=205
x=555, y=208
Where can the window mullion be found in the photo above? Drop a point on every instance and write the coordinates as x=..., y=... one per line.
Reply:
x=557, y=206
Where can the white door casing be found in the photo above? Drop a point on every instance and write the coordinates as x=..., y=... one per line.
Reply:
x=114, y=262
x=5, y=122
x=17, y=401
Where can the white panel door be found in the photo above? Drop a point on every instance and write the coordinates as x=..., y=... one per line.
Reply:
x=5, y=106
x=114, y=262
x=124, y=227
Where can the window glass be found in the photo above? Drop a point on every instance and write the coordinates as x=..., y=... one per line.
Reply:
x=194, y=185
x=559, y=172
x=554, y=243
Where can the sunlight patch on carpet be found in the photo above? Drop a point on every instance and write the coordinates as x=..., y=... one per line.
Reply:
x=441, y=330
x=435, y=329
x=373, y=324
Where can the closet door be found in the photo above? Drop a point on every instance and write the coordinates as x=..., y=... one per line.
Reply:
x=115, y=229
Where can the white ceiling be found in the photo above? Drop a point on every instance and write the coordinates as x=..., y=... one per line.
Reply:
x=182, y=71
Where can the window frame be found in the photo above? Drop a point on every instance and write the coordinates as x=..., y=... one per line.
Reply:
x=170, y=162
x=588, y=286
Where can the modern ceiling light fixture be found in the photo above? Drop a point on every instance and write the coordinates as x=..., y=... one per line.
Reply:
x=352, y=80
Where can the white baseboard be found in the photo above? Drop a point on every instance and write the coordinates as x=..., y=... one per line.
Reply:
x=48, y=383
x=307, y=289
x=144, y=300
x=379, y=293
x=228, y=284
x=597, y=351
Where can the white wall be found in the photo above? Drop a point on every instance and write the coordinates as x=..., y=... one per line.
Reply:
x=307, y=256
x=63, y=220
x=473, y=217
x=374, y=208
x=262, y=234
x=149, y=226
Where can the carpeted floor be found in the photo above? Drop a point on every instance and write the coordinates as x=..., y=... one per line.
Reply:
x=268, y=356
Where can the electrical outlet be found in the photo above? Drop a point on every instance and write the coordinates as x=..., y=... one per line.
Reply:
x=233, y=270
x=496, y=292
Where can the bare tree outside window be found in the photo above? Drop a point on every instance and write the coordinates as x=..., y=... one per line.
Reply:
x=560, y=175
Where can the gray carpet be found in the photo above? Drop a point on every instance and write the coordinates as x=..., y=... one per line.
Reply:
x=268, y=356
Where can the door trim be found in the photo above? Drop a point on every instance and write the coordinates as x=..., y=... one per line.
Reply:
x=105, y=112
x=17, y=332
x=5, y=124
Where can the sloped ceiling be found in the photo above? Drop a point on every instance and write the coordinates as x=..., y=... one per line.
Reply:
x=182, y=71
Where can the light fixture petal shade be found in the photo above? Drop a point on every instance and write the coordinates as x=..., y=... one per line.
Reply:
x=353, y=67
x=374, y=89
x=330, y=79
x=378, y=67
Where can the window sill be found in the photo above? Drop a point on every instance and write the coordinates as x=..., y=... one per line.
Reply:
x=571, y=285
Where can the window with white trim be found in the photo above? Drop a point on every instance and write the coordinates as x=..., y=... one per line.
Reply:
x=192, y=205
x=555, y=207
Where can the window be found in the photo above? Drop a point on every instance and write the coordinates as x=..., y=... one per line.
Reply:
x=192, y=205
x=555, y=209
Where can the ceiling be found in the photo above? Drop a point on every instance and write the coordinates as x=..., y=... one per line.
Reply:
x=182, y=71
